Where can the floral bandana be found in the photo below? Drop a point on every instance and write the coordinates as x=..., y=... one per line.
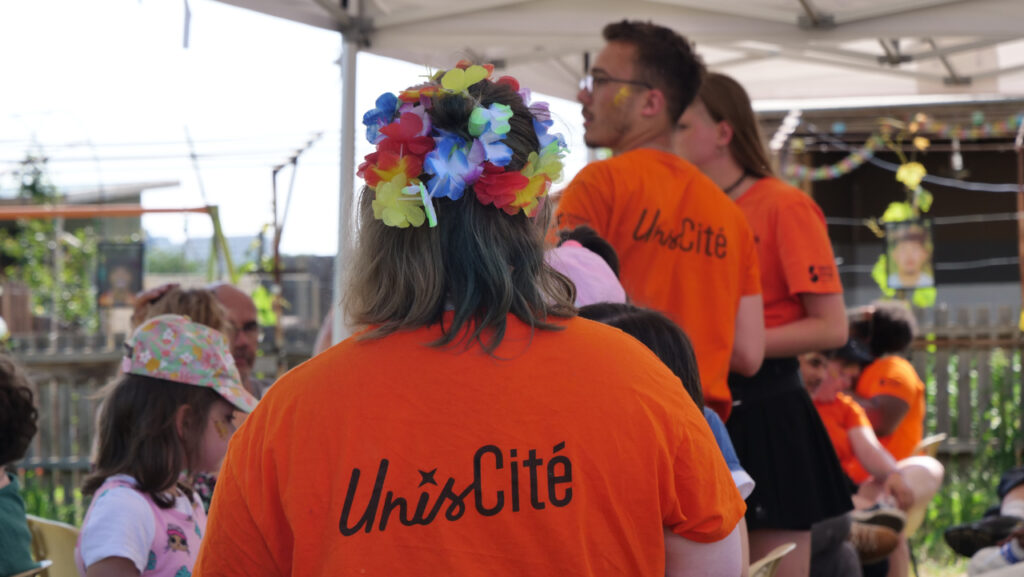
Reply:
x=415, y=164
x=173, y=348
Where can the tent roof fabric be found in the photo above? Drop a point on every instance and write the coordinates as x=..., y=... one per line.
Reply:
x=776, y=48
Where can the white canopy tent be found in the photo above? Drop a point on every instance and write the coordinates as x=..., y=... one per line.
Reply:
x=778, y=49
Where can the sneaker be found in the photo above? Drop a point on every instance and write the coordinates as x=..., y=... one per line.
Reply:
x=969, y=538
x=890, y=517
x=873, y=542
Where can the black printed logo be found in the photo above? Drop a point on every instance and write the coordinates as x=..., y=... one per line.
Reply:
x=824, y=273
x=542, y=482
x=692, y=236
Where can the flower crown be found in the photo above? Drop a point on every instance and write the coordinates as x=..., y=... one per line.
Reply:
x=416, y=163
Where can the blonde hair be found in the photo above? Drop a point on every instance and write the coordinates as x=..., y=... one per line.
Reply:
x=200, y=305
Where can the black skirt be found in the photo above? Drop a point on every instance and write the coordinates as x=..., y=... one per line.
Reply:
x=783, y=445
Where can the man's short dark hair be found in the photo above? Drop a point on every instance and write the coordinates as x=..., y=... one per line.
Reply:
x=664, y=59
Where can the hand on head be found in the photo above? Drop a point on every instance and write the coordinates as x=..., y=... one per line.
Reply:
x=144, y=299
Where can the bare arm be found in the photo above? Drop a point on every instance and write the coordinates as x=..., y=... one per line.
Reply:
x=112, y=567
x=885, y=412
x=871, y=454
x=824, y=327
x=748, y=344
x=685, y=558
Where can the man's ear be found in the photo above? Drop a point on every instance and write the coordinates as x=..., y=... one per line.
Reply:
x=653, y=103
x=181, y=420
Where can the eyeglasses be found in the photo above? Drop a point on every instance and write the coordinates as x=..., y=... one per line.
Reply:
x=589, y=81
x=251, y=328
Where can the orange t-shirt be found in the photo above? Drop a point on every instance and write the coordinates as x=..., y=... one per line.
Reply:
x=895, y=376
x=565, y=453
x=684, y=249
x=793, y=248
x=839, y=416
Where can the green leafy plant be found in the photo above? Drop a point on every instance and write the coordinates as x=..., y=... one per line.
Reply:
x=29, y=248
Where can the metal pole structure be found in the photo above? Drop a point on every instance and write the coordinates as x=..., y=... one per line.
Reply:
x=350, y=50
x=1019, y=145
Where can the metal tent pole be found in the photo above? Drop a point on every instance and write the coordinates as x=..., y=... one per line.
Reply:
x=350, y=50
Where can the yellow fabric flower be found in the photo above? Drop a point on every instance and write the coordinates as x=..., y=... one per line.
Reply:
x=911, y=174
x=394, y=207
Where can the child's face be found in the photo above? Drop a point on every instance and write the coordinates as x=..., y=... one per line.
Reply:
x=813, y=370
x=910, y=257
x=839, y=378
x=220, y=425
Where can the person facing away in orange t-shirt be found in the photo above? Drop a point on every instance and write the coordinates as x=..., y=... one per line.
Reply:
x=803, y=311
x=684, y=248
x=475, y=427
x=889, y=388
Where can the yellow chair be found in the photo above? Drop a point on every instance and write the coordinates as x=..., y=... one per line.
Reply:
x=768, y=565
x=929, y=446
x=43, y=566
x=54, y=541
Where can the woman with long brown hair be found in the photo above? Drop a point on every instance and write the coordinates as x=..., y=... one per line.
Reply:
x=774, y=426
x=474, y=426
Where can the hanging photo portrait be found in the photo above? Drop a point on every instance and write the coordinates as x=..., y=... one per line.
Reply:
x=909, y=254
x=118, y=273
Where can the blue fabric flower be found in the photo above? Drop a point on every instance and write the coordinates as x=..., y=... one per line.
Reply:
x=453, y=166
x=545, y=139
x=380, y=116
x=490, y=126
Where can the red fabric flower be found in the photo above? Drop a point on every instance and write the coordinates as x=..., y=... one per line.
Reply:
x=403, y=137
x=497, y=187
x=384, y=165
x=464, y=64
x=512, y=82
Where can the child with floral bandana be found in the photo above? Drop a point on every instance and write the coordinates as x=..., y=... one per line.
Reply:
x=168, y=418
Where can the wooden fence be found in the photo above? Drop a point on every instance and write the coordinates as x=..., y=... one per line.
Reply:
x=68, y=373
x=970, y=359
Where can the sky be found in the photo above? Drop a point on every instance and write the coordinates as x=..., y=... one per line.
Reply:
x=108, y=93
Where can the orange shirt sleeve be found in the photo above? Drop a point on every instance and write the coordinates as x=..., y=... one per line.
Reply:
x=887, y=379
x=751, y=274
x=808, y=263
x=855, y=415
x=584, y=201
x=234, y=544
x=707, y=506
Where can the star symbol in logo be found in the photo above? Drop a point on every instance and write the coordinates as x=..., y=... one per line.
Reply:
x=428, y=477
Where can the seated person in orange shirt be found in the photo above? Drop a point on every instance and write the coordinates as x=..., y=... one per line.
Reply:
x=874, y=474
x=889, y=388
x=473, y=425
x=861, y=455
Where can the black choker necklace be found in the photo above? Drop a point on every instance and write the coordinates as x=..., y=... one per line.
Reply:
x=733, y=186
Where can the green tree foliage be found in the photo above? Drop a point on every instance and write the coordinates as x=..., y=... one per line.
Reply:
x=28, y=250
x=170, y=261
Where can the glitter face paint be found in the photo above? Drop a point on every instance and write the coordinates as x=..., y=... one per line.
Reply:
x=222, y=430
x=621, y=95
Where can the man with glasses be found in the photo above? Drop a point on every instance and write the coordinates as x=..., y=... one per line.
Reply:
x=242, y=316
x=247, y=334
x=685, y=248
